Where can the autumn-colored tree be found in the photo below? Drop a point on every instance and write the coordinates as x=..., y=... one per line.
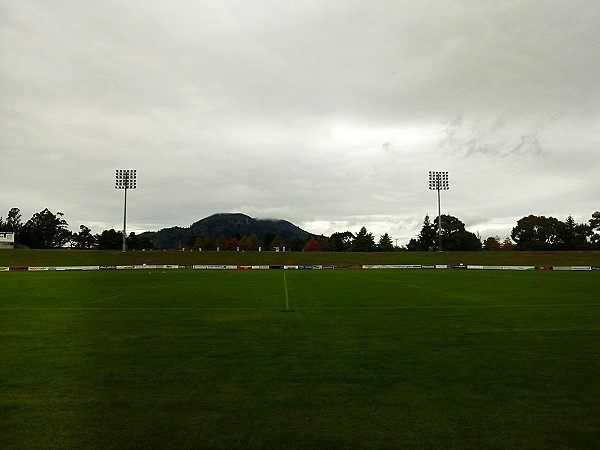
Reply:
x=221, y=242
x=313, y=245
x=252, y=242
x=276, y=242
x=233, y=243
x=249, y=243
x=204, y=242
x=508, y=245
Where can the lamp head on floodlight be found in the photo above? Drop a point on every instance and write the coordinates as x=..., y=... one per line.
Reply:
x=125, y=179
x=438, y=181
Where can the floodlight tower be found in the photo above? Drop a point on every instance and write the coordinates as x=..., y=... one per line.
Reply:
x=439, y=181
x=125, y=179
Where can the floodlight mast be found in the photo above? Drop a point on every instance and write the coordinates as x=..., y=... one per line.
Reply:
x=125, y=179
x=439, y=181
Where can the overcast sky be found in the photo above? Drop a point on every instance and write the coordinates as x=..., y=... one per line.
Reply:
x=326, y=113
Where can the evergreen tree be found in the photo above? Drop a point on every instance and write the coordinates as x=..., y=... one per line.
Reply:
x=385, y=243
x=595, y=228
x=427, y=239
x=363, y=242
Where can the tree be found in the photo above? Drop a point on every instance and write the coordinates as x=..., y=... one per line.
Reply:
x=221, y=242
x=252, y=242
x=138, y=242
x=297, y=245
x=269, y=236
x=341, y=242
x=363, y=242
x=463, y=240
x=385, y=243
x=572, y=236
x=595, y=228
x=110, y=240
x=492, y=244
x=427, y=239
x=276, y=242
x=84, y=239
x=12, y=223
x=204, y=242
x=508, y=244
x=413, y=245
x=233, y=244
x=454, y=235
x=45, y=230
x=535, y=233
x=312, y=245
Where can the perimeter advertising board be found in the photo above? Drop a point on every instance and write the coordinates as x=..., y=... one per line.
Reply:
x=7, y=239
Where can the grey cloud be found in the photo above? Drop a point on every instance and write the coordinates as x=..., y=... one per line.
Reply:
x=331, y=111
x=494, y=138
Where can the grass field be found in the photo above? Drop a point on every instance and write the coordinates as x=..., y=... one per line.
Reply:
x=300, y=359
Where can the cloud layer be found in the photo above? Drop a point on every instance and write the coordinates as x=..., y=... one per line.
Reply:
x=329, y=114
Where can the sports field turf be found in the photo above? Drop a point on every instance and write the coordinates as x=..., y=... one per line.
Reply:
x=300, y=359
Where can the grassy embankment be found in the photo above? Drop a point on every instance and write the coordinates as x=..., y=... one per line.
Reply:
x=18, y=257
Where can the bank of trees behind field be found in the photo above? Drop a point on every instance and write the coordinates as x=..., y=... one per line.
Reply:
x=46, y=229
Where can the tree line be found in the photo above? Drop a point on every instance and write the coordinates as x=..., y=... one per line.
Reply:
x=341, y=242
x=50, y=230
x=46, y=229
x=533, y=233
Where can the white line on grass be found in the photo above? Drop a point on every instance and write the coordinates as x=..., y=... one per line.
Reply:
x=106, y=298
x=287, y=298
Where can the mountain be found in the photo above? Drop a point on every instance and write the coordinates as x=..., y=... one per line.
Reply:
x=227, y=224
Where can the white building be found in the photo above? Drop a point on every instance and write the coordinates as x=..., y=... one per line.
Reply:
x=7, y=239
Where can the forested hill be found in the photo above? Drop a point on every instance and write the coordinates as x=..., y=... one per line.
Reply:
x=228, y=225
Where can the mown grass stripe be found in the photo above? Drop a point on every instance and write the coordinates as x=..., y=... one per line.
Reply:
x=319, y=308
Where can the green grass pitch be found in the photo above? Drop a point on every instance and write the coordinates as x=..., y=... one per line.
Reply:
x=300, y=359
